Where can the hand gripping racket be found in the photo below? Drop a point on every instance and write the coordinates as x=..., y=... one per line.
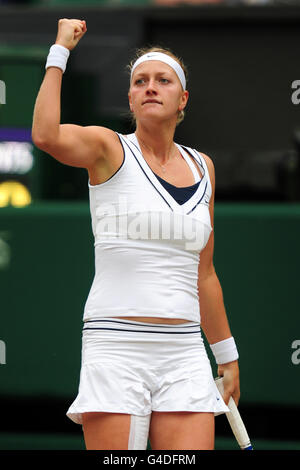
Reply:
x=235, y=420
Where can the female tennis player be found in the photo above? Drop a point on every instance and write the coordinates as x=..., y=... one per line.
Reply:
x=145, y=373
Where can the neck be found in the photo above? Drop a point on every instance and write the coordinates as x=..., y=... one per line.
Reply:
x=156, y=140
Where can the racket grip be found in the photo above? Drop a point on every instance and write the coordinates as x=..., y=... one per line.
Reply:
x=234, y=418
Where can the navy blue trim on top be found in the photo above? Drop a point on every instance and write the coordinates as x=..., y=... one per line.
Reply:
x=164, y=183
x=204, y=172
x=147, y=175
x=199, y=162
x=181, y=197
x=180, y=194
x=199, y=199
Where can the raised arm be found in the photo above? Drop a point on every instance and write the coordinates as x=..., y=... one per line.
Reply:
x=214, y=321
x=70, y=144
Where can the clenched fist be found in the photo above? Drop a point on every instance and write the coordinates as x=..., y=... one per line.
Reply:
x=70, y=32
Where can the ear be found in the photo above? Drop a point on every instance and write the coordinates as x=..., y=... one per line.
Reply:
x=130, y=103
x=184, y=100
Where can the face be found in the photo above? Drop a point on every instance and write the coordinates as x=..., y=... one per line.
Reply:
x=156, y=92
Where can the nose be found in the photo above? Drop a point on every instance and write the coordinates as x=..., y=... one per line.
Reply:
x=151, y=88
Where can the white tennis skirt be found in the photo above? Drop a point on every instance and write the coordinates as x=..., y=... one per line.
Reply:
x=136, y=368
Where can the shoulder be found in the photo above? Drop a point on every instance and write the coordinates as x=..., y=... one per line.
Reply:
x=103, y=134
x=106, y=140
x=211, y=171
x=208, y=161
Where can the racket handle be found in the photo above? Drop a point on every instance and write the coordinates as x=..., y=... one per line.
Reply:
x=234, y=418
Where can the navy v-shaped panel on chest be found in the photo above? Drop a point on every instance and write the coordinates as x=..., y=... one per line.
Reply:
x=181, y=195
x=172, y=195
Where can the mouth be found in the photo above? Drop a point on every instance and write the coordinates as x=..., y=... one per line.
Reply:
x=152, y=102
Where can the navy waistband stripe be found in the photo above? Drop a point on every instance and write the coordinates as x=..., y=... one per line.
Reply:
x=146, y=331
x=144, y=324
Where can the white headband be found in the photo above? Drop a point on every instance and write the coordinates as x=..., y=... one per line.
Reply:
x=162, y=58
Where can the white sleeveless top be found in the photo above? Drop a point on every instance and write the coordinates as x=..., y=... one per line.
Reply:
x=147, y=245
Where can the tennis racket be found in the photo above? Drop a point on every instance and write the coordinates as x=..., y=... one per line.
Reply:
x=235, y=420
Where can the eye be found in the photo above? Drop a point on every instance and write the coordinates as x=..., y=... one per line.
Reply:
x=164, y=80
x=139, y=81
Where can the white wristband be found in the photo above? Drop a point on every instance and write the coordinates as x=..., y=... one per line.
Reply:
x=225, y=351
x=57, y=57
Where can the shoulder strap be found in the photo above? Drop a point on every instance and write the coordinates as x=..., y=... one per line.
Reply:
x=201, y=161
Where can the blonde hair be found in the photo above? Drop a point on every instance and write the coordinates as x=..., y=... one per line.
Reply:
x=146, y=50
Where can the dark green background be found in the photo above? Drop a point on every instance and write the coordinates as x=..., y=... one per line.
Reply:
x=242, y=62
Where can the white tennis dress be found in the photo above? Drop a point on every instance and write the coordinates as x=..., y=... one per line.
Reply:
x=146, y=244
x=147, y=249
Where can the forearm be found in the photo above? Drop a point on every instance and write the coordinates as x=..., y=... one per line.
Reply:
x=215, y=325
x=47, y=114
x=214, y=320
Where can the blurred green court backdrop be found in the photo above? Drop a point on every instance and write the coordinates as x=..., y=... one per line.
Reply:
x=46, y=269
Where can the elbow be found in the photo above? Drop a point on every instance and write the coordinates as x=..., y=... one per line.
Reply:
x=206, y=274
x=41, y=142
x=37, y=139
